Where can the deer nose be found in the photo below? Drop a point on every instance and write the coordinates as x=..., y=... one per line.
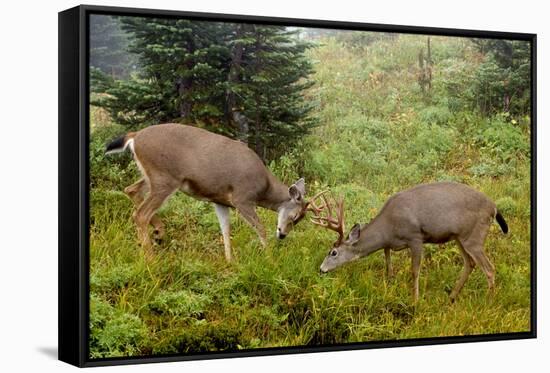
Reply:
x=280, y=235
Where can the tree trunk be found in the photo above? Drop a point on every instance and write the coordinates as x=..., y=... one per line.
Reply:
x=421, y=71
x=242, y=123
x=258, y=65
x=184, y=85
x=507, y=100
x=259, y=147
x=233, y=112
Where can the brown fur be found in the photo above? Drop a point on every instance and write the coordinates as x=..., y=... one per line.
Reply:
x=428, y=213
x=204, y=165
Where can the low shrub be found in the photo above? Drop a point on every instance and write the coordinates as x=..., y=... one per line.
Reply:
x=114, y=332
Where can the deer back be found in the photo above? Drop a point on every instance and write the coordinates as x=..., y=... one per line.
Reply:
x=206, y=165
x=438, y=211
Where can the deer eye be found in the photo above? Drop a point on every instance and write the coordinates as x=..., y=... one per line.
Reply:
x=333, y=252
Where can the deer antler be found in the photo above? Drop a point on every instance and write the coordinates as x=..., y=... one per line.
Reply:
x=335, y=223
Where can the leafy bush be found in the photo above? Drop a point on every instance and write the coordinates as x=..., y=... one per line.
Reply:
x=365, y=149
x=436, y=115
x=180, y=303
x=502, y=139
x=507, y=206
x=114, y=332
x=287, y=167
x=112, y=278
x=200, y=338
x=429, y=146
x=488, y=167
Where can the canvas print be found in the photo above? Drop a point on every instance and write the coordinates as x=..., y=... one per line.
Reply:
x=260, y=186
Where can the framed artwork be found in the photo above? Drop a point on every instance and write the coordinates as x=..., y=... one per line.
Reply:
x=235, y=186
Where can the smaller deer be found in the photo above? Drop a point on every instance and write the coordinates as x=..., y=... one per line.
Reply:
x=427, y=213
x=207, y=167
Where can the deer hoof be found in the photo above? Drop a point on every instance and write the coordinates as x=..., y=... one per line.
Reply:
x=157, y=236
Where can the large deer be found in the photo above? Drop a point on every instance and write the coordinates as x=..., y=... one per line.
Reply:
x=427, y=213
x=208, y=167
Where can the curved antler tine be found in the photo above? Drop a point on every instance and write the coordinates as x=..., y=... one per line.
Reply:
x=312, y=206
x=327, y=204
x=319, y=194
x=329, y=220
x=319, y=222
x=334, y=222
x=341, y=215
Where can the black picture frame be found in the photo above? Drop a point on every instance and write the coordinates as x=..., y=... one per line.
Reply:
x=73, y=75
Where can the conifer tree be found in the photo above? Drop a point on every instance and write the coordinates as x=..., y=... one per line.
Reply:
x=182, y=73
x=272, y=75
x=502, y=82
x=241, y=80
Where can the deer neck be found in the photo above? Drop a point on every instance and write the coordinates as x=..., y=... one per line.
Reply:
x=276, y=194
x=373, y=238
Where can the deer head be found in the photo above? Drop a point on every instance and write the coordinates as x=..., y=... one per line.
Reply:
x=293, y=210
x=340, y=252
x=344, y=251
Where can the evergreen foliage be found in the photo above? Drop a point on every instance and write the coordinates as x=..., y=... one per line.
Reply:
x=501, y=83
x=245, y=81
x=269, y=80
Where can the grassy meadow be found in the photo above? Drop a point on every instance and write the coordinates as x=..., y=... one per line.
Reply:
x=378, y=132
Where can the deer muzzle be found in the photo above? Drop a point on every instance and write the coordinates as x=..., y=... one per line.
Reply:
x=280, y=235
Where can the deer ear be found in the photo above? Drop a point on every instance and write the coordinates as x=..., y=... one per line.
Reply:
x=355, y=233
x=294, y=193
x=301, y=185
x=297, y=190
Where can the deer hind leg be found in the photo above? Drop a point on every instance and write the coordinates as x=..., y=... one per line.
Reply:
x=147, y=209
x=389, y=267
x=223, y=214
x=248, y=212
x=474, y=247
x=137, y=192
x=416, y=259
x=469, y=265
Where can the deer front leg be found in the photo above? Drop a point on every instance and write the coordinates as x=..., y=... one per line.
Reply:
x=223, y=214
x=248, y=212
x=389, y=267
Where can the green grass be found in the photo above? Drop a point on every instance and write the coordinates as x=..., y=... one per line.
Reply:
x=377, y=135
